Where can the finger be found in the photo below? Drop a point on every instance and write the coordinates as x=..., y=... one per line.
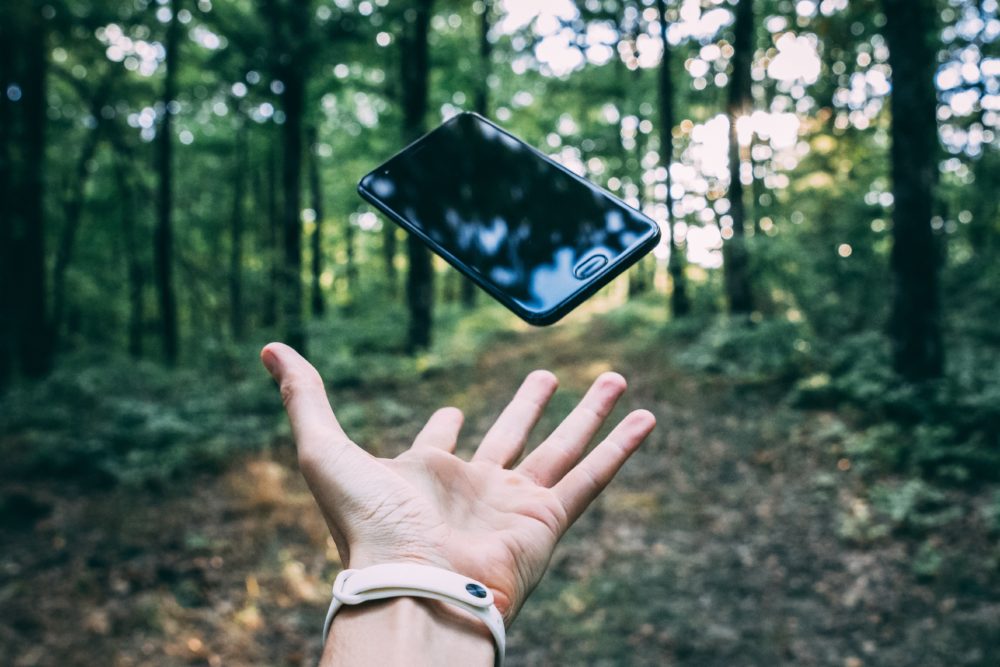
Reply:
x=553, y=458
x=316, y=430
x=505, y=439
x=586, y=481
x=441, y=431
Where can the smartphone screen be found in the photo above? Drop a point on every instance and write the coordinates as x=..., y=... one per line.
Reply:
x=536, y=236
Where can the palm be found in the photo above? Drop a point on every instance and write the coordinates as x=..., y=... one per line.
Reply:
x=492, y=524
x=480, y=517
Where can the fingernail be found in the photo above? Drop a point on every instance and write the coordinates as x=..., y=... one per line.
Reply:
x=270, y=362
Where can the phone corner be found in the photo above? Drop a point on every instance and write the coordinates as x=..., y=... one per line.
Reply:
x=657, y=235
x=544, y=319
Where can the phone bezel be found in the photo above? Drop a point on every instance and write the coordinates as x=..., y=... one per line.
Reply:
x=615, y=266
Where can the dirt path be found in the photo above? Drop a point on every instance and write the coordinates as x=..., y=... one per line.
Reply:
x=717, y=545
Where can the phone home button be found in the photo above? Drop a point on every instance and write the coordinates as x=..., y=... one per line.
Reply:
x=585, y=268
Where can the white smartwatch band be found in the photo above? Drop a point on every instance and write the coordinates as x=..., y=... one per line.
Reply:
x=405, y=579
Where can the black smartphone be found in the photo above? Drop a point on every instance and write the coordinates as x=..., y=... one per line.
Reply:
x=537, y=237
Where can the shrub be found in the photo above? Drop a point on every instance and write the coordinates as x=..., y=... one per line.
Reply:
x=772, y=350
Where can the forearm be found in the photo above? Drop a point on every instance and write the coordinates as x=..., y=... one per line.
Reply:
x=406, y=631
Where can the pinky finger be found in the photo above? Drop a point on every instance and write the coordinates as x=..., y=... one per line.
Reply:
x=587, y=479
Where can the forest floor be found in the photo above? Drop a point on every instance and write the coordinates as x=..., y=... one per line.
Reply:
x=726, y=539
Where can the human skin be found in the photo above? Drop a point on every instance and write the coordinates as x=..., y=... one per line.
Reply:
x=489, y=518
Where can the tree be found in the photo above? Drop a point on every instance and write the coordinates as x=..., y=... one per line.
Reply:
x=914, y=326
x=680, y=305
x=390, y=232
x=74, y=204
x=482, y=107
x=639, y=278
x=134, y=271
x=415, y=67
x=25, y=334
x=272, y=253
x=316, y=189
x=291, y=43
x=163, y=243
x=7, y=333
x=389, y=256
x=236, y=316
x=242, y=83
x=739, y=104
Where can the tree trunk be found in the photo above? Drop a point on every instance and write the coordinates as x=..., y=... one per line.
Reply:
x=389, y=243
x=756, y=189
x=291, y=70
x=292, y=225
x=680, y=304
x=351, y=270
x=390, y=236
x=73, y=213
x=914, y=326
x=740, y=103
x=272, y=254
x=7, y=75
x=482, y=107
x=26, y=231
x=236, y=317
x=414, y=58
x=482, y=101
x=133, y=266
x=163, y=240
x=315, y=186
x=637, y=276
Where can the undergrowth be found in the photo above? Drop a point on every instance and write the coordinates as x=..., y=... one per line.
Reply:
x=105, y=419
x=912, y=445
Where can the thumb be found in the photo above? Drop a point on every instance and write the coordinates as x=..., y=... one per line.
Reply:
x=317, y=433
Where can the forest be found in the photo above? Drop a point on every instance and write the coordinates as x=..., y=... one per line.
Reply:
x=816, y=332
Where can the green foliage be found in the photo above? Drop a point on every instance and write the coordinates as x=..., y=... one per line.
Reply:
x=946, y=430
x=856, y=369
x=128, y=422
x=991, y=512
x=860, y=525
x=907, y=506
x=914, y=505
x=112, y=420
x=819, y=235
x=773, y=350
x=928, y=561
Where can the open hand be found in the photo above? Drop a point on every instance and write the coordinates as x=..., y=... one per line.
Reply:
x=480, y=518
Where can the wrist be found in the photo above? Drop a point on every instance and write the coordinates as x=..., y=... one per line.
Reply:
x=463, y=621
x=362, y=557
x=407, y=630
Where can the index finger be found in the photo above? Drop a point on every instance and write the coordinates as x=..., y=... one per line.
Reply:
x=505, y=440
